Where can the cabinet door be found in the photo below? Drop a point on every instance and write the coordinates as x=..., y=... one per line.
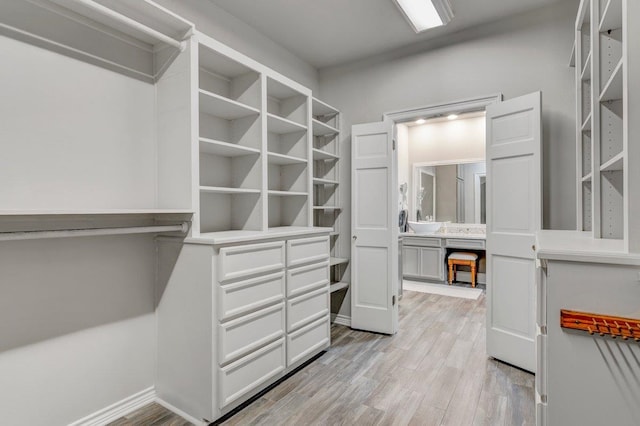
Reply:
x=431, y=263
x=411, y=261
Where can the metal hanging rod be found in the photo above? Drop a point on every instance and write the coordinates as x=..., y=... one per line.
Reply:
x=92, y=232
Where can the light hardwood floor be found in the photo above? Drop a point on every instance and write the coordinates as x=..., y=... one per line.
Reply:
x=433, y=372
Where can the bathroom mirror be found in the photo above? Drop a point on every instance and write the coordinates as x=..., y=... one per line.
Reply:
x=454, y=192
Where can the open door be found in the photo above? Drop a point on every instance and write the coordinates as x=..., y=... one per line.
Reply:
x=514, y=206
x=374, y=230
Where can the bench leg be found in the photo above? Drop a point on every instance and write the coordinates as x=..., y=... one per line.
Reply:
x=450, y=273
x=473, y=275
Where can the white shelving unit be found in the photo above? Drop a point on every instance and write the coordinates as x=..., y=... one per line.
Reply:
x=606, y=51
x=326, y=184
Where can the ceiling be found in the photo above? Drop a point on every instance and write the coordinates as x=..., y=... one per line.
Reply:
x=332, y=32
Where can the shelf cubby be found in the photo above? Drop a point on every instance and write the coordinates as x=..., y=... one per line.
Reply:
x=616, y=163
x=282, y=126
x=586, y=153
x=225, y=149
x=587, y=217
x=610, y=56
x=242, y=172
x=287, y=103
x=287, y=177
x=230, y=211
x=227, y=78
x=586, y=99
x=219, y=106
x=585, y=43
x=292, y=144
x=611, y=15
x=612, y=89
x=245, y=132
x=585, y=74
x=612, y=204
x=611, y=130
x=323, y=129
x=288, y=210
x=319, y=154
x=320, y=181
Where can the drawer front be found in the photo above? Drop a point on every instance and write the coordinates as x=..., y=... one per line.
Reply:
x=309, y=339
x=242, y=261
x=249, y=295
x=245, y=334
x=307, y=250
x=465, y=244
x=306, y=308
x=306, y=278
x=241, y=377
x=422, y=241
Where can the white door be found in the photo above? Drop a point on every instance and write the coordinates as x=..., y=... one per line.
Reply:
x=514, y=134
x=374, y=230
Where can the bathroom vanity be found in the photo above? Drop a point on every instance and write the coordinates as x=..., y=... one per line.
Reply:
x=424, y=255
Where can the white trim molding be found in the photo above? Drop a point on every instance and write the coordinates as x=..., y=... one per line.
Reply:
x=342, y=320
x=119, y=409
x=460, y=106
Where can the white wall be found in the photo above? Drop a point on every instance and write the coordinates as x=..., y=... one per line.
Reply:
x=226, y=28
x=514, y=57
x=447, y=141
x=77, y=326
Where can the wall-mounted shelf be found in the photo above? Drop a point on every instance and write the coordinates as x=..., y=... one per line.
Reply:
x=219, y=106
x=225, y=149
x=603, y=325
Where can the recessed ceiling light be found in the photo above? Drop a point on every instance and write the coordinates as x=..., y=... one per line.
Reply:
x=421, y=121
x=425, y=14
x=452, y=117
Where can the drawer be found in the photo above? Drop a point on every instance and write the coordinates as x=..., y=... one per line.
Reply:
x=422, y=241
x=245, y=334
x=246, y=374
x=249, y=295
x=465, y=243
x=309, y=339
x=242, y=261
x=307, y=250
x=306, y=308
x=306, y=278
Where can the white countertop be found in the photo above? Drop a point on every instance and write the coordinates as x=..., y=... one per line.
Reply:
x=467, y=236
x=579, y=246
x=228, y=237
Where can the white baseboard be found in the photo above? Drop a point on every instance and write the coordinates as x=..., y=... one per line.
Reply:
x=181, y=413
x=342, y=320
x=119, y=409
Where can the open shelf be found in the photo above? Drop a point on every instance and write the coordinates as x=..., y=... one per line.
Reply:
x=226, y=190
x=228, y=109
x=230, y=209
x=225, y=149
x=587, y=178
x=612, y=16
x=323, y=129
x=341, y=285
x=286, y=102
x=93, y=212
x=612, y=204
x=613, y=88
x=319, y=154
x=321, y=108
x=275, y=193
x=327, y=208
x=281, y=126
x=586, y=70
x=586, y=125
x=614, y=164
x=319, y=181
x=338, y=261
x=281, y=159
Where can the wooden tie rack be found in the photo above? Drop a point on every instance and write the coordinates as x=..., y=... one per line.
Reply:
x=604, y=325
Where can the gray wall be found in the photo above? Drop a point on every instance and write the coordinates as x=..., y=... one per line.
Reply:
x=226, y=28
x=527, y=53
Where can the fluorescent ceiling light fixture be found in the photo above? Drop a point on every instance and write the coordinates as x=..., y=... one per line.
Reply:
x=421, y=121
x=425, y=14
x=452, y=116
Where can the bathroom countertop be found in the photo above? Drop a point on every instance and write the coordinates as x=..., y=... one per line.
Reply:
x=470, y=236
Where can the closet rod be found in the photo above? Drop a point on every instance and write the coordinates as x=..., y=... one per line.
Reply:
x=131, y=23
x=92, y=232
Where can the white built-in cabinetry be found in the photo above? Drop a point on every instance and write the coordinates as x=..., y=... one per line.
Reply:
x=327, y=206
x=583, y=378
x=606, y=61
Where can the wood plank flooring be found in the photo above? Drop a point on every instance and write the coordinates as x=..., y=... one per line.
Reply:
x=433, y=372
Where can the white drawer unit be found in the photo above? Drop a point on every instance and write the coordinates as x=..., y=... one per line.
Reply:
x=248, y=333
x=307, y=340
x=307, y=250
x=465, y=243
x=422, y=241
x=251, y=259
x=306, y=308
x=306, y=278
x=242, y=297
x=248, y=373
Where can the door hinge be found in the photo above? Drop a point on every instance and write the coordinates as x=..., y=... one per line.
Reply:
x=393, y=300
x=394, y=144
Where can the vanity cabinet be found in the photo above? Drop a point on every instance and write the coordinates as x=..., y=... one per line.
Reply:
x=235, y=317
x=423, y=258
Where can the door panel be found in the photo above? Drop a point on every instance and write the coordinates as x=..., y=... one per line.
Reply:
x=514, y=136
x=374, y=254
